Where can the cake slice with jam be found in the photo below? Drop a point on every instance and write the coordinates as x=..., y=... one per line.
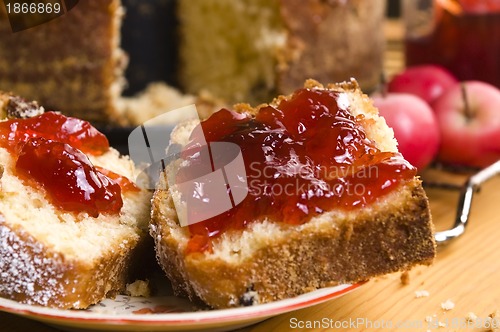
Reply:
x=73, y=222
x=330, y=201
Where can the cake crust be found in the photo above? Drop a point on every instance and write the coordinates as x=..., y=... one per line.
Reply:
x=393, y=234
x=33, y=273
x=252, y=50
x=390, y=240
x=314, y=25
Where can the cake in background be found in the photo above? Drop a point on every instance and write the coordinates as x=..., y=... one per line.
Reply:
x=252, y=49
x=247, y=50
x=158, y=98
x=72, y=63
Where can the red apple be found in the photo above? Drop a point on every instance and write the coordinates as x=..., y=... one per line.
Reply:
x=414, y=124
x=425, y=81
x=470, y=136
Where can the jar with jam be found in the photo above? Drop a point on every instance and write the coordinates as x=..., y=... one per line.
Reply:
x=461, y=35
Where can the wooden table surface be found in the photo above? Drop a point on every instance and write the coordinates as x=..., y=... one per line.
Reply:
x=466, y=273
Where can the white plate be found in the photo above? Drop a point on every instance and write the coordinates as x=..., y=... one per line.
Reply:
x=167, y=313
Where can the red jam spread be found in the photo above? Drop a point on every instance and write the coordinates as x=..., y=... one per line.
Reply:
x=68, y=175
x=50, y=151
x=306, y=156
x=78, y=133
x=124, y=182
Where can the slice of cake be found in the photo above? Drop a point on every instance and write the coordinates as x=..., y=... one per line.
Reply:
x=329, y=201
x=158, y=98
x=71, y=64
x=73, y=223
x=251, y=50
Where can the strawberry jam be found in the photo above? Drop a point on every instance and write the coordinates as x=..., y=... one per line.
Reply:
x=302, y=158
x=68, y=175
x=124, y=183
x=50, y=152
x=78, y=133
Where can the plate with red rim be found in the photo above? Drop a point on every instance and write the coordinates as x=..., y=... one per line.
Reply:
x=166, y=313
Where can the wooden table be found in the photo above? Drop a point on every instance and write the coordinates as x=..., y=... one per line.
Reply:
x=466, y=272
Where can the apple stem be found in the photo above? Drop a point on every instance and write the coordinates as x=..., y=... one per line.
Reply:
x=468, y=111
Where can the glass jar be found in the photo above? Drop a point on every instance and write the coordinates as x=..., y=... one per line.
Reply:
x=461, y=35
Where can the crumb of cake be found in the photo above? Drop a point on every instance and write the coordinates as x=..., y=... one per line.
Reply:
x=493, y=321
x=433, y=321
x=421, y=293
x=138, y=288
x=447, y=305
x=405, y=278
x=471, y=317
x=155, y=100
x=250, y=297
